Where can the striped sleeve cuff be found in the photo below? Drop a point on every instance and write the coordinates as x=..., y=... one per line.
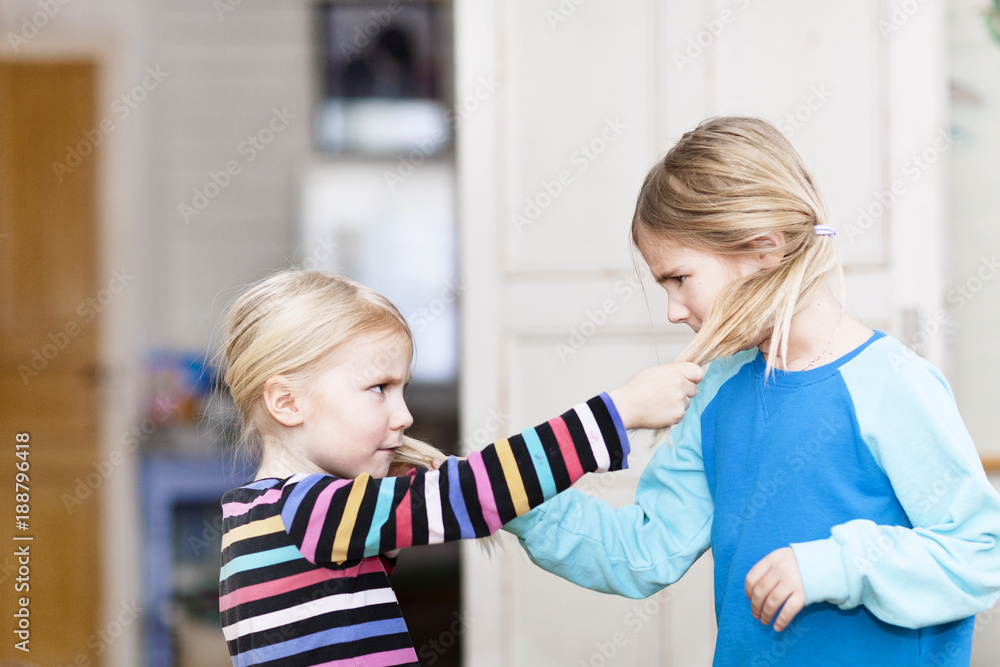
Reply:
x=614, y=435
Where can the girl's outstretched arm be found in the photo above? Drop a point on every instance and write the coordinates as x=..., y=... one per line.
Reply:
x=947, y=566
x=634, y=550
x=334, y=520
x=637, y=549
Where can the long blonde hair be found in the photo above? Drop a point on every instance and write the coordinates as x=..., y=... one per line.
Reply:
x=720, y=189
x=290, y=323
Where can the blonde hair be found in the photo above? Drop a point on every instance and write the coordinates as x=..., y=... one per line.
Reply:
x=289, y=324
x=722, y=187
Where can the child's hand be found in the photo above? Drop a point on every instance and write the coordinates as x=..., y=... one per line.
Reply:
x=399, y=469
x=773, y=582
x=657, y=397
x=402, y=469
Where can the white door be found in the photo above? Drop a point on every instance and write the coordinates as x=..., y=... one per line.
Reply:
x=562, y=107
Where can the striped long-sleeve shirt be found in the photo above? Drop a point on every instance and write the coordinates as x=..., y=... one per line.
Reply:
x=302, y=581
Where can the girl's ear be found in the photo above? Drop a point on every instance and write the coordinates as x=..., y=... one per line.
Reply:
x=284, y=401
x=768, y=249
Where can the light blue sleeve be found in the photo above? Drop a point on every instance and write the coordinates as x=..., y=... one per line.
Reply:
x=947, y=566
x=638, y=549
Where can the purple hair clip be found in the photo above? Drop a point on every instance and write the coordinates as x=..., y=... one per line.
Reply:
x=824, y=230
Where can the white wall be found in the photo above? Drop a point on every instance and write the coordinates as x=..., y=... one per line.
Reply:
x=235, y=74
x=973, y=301
x=973, y=297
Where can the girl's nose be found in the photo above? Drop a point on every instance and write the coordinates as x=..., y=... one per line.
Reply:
x=401, y=417
x=676, y=312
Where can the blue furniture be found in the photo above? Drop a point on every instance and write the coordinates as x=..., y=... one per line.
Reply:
x=181, y=497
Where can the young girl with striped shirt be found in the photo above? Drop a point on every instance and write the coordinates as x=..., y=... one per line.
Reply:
x=317, y=365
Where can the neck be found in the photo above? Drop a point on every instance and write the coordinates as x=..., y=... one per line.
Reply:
x=813, y=334
x=279, y=460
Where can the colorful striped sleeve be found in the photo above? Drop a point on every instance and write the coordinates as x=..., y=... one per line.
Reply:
x=334, y=520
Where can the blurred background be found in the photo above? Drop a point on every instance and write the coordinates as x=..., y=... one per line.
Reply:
x=476, y=161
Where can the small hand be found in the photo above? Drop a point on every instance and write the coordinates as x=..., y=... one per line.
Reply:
x=399, y=469
x=773, y=583
x=657, y=397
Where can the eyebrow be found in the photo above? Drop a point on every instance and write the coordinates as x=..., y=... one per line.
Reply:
x=389, y=378
x=667, y=275
x=396, y=379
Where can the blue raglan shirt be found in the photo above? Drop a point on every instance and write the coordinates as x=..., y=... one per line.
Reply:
x=863, y=466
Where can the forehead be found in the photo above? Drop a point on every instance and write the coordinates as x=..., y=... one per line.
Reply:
x=394, y=345
x=377, y=357
x=663, y=253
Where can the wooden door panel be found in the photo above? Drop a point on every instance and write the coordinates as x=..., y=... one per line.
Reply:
x=48, y=350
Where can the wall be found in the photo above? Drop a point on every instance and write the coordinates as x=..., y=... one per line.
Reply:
x=972, y=303
x=232, y=131
x=973, y=298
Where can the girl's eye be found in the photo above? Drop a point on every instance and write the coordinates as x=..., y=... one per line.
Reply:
x=680, y=279
x=378, y=389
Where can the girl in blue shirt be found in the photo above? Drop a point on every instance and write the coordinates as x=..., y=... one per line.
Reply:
x=824, y=463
